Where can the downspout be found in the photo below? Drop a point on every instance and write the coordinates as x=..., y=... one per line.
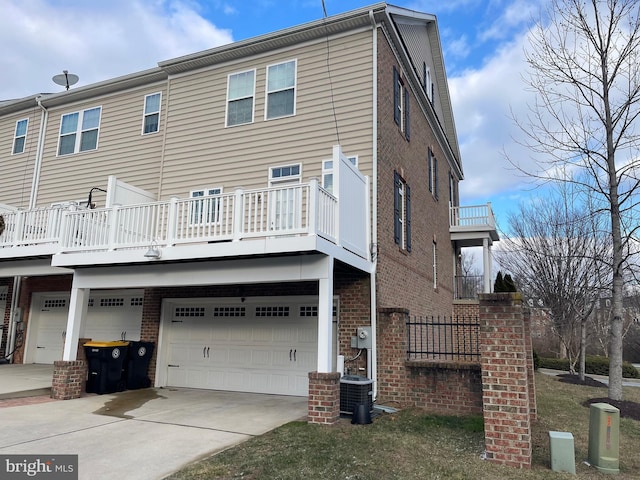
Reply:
x=17, y=280
x=373, y=361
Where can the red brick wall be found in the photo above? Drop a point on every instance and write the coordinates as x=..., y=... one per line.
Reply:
x=466, y=308
x=505, y=380
x=68, y=379
x=452, y=388
x=6, y=317
x=405, y=279
x=324, y=398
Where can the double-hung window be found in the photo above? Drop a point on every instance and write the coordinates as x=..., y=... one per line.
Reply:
x=20, y=137
x=401, y=212
x=208, y=208
x=400, y=103
x=240, y=95
x=281, y=90
x=433, y=173
x=79, y=131
x=327, y=172
x=151, y=117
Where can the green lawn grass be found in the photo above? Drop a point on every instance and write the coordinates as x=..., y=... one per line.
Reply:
x=414, y=445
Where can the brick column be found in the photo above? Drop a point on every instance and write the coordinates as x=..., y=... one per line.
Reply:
x=69, y=379
x=324, y=397
x=505, y=382
x=392, y=356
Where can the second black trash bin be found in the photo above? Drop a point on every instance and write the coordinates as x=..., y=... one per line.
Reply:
x=137, y=366
x=105, y=364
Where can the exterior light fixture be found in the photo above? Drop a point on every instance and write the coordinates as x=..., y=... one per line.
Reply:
x=153, y=252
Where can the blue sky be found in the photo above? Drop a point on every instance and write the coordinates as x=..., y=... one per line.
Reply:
x=482, y=41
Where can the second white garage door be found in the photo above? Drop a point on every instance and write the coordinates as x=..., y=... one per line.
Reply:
x=260, y=345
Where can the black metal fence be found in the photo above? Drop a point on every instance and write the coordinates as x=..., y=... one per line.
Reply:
x=443, y=339
x=468, y=287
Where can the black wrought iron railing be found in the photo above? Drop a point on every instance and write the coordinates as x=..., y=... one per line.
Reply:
x=443, y=339
x=467, y=287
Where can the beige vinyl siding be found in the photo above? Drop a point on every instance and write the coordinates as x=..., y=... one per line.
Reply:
x=17, y=170
x=200, y=150
x=122, y=149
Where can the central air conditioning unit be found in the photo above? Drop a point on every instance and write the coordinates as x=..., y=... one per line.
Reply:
x=355, y=390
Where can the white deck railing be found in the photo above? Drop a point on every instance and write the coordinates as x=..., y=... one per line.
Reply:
x=472, y=217
x=302, y=209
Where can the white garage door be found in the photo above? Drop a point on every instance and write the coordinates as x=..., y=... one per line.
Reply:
x=110, y=316
x=261, y=346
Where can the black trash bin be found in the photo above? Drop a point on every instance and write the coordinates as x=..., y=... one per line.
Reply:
x=106, y=361
x=137, y=366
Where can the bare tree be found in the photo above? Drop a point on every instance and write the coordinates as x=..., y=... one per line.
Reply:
x=553, y=250
x=583, y=60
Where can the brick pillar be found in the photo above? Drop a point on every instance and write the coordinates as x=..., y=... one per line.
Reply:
x=68, y=379
x=505, y=382
x=533, y=405
x=392, y=356
x=324, y=397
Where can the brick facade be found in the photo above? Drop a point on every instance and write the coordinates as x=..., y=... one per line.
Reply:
x=406, y=278
x=506, y=377
x=69, y=379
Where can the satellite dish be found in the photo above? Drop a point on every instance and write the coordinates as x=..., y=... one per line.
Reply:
x=66, y=79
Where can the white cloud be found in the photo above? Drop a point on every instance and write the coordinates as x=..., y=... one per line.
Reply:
x=94, y=40
x=482, y=102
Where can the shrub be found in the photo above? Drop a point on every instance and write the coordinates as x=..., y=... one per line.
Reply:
x=594, y=365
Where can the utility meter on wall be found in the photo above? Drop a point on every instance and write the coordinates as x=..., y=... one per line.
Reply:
x=363, y=335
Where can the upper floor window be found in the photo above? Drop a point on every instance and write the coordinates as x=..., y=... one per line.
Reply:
x=400, y=103
x=433, y=173
x=327, y=172
x=285, y=174
x=240, y=94
x=281, y=86
x=79, y=131
x=401, y=212
x=151, y=121
x=20, y=137
x=427, y=84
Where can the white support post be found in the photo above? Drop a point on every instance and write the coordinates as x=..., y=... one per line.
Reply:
x=75, y=322
x=325, y=316
x=486, y=265
x=238, y=214
x=312, y=208
x=172, y=223
x=113, y=227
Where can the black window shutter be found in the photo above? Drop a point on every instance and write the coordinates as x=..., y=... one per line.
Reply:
x=406, y=114
x=424, y=76
x=430, y=162
x=396, y=96
x=435, y=179
x=408, y=219
x=396, y=207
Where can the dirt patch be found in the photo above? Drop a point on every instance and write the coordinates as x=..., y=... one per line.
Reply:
x=627, y=409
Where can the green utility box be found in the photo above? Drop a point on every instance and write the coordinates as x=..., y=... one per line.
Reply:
x=563, y=454
x=604, y=437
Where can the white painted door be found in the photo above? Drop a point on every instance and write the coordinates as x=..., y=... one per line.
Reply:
x=257, y=346
x=110, y=316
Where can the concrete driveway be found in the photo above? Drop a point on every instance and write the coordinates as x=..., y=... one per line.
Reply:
x=142, y=434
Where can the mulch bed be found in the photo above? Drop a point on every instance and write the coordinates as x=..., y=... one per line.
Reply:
x=627, y=409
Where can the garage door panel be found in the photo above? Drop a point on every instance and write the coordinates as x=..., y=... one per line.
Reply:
x=254, y=348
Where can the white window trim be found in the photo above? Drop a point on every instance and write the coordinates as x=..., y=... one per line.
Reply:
x=294, y=87
x=289, y=179
x=145, y=114
x=402, y=191
x=328, y=171
x=16, y=136
x=79, y=132
x=210, y=192
x=253, y=96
